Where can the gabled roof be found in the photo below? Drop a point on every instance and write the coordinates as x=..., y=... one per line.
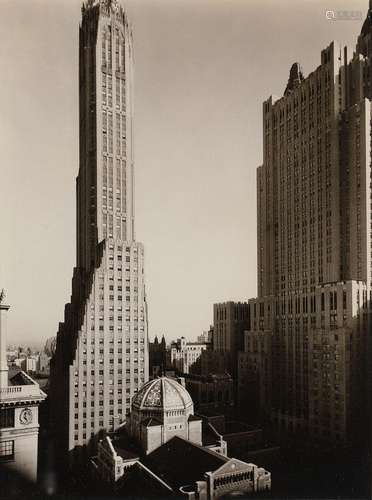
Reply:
x=234, y=465
x=18, y=377
x=168, y=462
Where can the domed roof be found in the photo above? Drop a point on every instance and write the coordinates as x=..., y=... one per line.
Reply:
x=162, y=393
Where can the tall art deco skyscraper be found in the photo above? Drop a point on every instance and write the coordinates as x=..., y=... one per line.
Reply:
x=101, y=356
x=308, y=348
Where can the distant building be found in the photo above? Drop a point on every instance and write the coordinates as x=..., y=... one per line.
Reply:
x=206, y=337
x=183, y=354
x=20, y=397
x=43, y=364
x=50, y=346
x=11, y=353
x=29, y=364
x=157, y=357
x=162, y=447
x=17, y=362
x=230, y=320
x=211, y=391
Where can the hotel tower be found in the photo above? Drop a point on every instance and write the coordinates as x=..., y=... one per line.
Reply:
x=101, y=357
x=307, y=351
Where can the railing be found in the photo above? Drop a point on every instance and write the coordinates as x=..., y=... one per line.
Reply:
x=20, y=391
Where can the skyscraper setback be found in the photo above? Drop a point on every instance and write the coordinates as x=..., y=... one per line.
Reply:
x=308, y=342
x=101, y=356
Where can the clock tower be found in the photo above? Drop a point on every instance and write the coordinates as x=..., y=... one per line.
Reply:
x=20, y=397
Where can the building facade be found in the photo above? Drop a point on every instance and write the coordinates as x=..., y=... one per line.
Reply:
x=210, y=391
x=230, y=320
x=29, y=364
x=20, y=398
x=206, y=337
x=101, y=356
x=308, y=342
x=184, y=355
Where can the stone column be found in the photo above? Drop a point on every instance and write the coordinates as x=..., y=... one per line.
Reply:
x=3, y=346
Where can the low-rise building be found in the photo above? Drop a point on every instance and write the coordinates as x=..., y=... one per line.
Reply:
x=29, y=364
x=206, y=337
x=43, y=364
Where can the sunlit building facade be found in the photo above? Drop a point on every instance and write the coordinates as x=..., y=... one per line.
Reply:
x=101, y=356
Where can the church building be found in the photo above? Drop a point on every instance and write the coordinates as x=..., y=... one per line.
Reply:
x=163, y=445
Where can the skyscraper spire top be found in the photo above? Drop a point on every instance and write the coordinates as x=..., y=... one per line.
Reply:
x=295, y=78
x=105, y=3
x=368, y=21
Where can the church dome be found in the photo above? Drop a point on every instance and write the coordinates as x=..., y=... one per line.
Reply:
x=162, y=393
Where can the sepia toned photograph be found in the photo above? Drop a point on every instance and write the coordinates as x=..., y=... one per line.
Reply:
x=186, y=249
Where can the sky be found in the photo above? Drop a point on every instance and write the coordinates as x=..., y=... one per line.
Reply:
x=202, y=70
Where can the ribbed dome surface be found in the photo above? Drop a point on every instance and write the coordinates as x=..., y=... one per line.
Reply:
x=162, y=393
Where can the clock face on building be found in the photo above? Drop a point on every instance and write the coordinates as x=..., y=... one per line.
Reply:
x=25, y=416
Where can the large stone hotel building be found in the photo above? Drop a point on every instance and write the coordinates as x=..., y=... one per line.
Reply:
x=101, y=356
x=307, y=348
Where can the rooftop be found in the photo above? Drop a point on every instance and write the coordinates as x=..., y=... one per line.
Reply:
x=139, y=480
x=17, y=377
x=124, y=445
x=20, y=387
x=168, y=462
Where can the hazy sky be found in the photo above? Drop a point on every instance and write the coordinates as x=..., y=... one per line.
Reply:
x=202, y=70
